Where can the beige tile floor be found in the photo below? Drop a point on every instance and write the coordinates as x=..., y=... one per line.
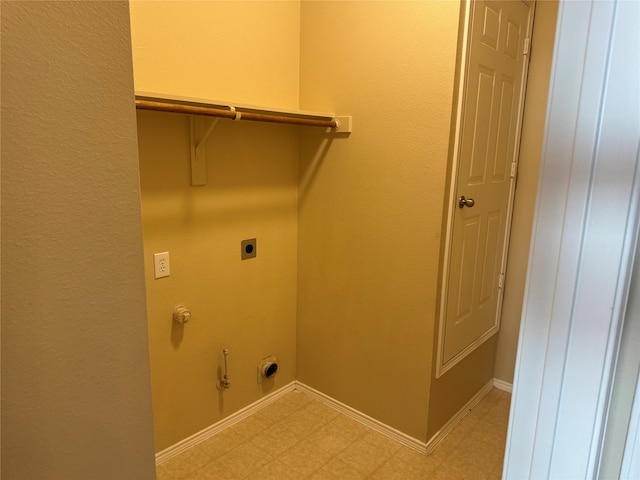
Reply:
x=298, y=437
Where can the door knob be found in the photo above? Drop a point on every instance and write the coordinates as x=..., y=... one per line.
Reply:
x=466, y=202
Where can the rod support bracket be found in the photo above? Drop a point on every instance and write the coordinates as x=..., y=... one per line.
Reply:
x=199, y=132
x=344, y=124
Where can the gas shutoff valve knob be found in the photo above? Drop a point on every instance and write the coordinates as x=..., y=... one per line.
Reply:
x=181, y=314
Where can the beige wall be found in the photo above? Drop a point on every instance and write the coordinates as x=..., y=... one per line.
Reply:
x=370, y=207
x=248, y=52
x=530, y=152
x=76, y=399
x=455, y=388
x=349, y=228
x=248, y=306
x=242, y=51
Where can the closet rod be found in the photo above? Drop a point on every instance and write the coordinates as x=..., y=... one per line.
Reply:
x=234, y=115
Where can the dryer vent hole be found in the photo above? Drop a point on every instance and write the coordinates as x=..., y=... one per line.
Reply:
x=267, y=368
x=271, y=370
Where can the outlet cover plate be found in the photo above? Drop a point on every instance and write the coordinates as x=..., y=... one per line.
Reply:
x=248, y=249
x=161, y=266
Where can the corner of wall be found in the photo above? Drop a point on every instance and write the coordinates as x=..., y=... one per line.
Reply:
x=530, y=153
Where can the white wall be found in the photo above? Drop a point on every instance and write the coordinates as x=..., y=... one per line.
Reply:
x=76, y=401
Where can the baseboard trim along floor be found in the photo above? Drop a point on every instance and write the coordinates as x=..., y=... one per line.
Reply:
x=502, y=385
x=403, y=438
x=440, y=435
x=227, y=422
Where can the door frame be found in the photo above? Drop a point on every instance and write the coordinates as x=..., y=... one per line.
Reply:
x=460, y=98
x=586, y=229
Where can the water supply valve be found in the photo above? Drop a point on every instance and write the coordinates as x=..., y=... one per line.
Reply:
x=181, y=314
x=224, y=382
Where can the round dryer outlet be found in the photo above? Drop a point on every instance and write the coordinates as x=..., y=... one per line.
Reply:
x=267, y=368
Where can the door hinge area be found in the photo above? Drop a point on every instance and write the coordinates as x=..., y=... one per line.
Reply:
x=514, y=169
x=527, y=46
x=501, y=281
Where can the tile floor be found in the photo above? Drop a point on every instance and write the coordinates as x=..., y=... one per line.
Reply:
x=298, y=437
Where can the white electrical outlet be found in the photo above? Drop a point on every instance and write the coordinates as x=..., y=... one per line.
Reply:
x=161, y=267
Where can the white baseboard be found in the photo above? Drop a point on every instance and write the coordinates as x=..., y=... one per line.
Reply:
x=440, y=435
x=366, y=420
x=403, y=438
x=502, y=385
x=227, y=422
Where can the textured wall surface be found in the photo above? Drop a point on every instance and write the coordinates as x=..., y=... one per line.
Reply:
x=248, y=306
x=76, y=399
x=244, y=51
x=370, y=208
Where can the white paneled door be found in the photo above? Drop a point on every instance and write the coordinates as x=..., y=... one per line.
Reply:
x=486, y=159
